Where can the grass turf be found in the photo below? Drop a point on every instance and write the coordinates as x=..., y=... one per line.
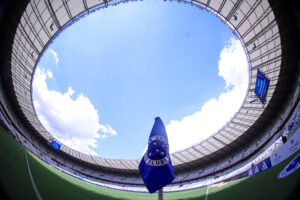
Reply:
x=14, y=179
x=53, y=184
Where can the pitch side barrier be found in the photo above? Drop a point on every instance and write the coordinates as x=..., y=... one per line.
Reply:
x=285, y=151
x=291, y=133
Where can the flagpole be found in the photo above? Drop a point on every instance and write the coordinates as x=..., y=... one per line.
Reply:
x=160, y=194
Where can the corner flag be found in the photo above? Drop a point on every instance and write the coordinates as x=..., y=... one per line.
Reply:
x=156, y=167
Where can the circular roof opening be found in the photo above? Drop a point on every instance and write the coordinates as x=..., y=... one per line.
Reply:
x=100, y=84
x=253, y=22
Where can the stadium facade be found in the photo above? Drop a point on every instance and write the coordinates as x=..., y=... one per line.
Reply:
x=269, y=32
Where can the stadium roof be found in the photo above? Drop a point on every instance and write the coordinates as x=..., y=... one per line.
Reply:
x=264, y=28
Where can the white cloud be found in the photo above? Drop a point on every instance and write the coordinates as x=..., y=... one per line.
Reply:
x=49, y=74
x=74, y=122
x=216, y=112
x=55, y=55
x=108, y=129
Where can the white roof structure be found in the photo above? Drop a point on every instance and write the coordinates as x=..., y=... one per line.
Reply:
x=253, y=22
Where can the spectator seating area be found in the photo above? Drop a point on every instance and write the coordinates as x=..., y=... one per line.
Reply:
x=231, y=167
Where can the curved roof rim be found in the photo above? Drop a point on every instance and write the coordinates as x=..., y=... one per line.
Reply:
x=23, y=40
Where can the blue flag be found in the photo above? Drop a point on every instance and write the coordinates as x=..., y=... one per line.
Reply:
x=156, y=167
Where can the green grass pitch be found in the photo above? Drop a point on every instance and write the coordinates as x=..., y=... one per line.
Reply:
x=15, y=182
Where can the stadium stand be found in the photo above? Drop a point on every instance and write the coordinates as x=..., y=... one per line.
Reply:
x=269, y=32
x=185, y=181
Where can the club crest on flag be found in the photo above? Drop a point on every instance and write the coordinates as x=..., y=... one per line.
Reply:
x=158, y=151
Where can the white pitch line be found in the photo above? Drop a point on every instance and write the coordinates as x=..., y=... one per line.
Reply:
x=38, y=195
x=206, y=193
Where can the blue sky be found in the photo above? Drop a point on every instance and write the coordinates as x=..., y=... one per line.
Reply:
x=102, y=82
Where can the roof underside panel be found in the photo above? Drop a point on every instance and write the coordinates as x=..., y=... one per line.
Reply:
x=255, y=25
